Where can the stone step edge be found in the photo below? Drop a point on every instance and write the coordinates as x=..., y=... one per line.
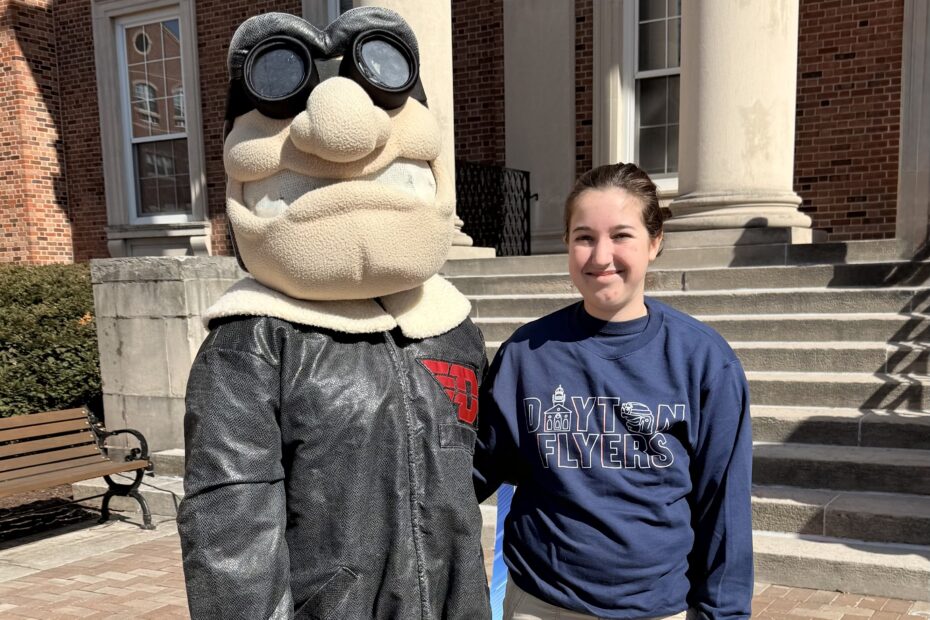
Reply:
x=818, y=562
x=788, y=316
x=739, y=292
x=890, y=570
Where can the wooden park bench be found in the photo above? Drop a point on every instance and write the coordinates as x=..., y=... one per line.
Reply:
x=44, y=450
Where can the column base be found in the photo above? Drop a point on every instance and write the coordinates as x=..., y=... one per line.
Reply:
x=726, y=237
x=736, y=210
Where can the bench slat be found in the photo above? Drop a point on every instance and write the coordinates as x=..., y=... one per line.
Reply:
x=85, y=472
x=26, y=447
x=51, y=456
x=26, y=472
x=48, y=417
x=43, y=429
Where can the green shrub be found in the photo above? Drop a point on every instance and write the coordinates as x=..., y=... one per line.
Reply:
x=48, y=339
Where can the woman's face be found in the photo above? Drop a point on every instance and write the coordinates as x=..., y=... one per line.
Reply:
x=609, y=250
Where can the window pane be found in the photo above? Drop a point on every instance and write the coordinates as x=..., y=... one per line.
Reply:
x=161, y=114
x=137, y=44
x=172, y=75
x=156, y=77
x=148, y=197
x=651, y=9
x=652, y=101
x=183, y=185
x=652, y=150
x=180, y=156
x=673, y=89
x=171, y=36
x=674, y=7
x=673, y=148
x=153, y=33
x=652, y=46
x=674, y=42
x=167, y=195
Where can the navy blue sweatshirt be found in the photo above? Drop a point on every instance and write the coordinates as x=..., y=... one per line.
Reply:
x=631, y=448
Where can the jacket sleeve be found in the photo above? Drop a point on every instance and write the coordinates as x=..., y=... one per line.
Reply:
x=232, y=518
x=495, y=452
x=721, y=567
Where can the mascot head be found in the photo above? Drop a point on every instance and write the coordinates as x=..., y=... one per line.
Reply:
x=333, y=188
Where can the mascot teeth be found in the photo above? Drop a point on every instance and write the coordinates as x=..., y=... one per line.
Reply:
x=270, y=197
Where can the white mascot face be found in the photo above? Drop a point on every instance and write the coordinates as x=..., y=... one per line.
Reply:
x=333, y=189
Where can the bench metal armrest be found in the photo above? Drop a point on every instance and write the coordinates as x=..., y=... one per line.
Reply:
x=135, y=454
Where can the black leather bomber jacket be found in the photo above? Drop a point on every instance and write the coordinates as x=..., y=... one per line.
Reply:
x=329, y=475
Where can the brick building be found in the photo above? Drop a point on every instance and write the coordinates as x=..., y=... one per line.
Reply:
x=112, y=112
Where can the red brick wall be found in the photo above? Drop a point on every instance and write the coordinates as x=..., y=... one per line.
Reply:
x=216, y=22
x=478, y=80
x=584, y=84
x=81, y=129
x=848, y=115
x=34, y=225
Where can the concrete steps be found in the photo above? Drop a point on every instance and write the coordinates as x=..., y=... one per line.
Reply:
x=905, y=358
x=834, y=339
x=842, y=468
x=851, y=327
x=874, y=428
x=859, y=515
x=869, y=275
x=891, y=570
x=763, y=301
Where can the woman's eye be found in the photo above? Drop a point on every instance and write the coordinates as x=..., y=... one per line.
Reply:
x=582, y=239
x=623, y=236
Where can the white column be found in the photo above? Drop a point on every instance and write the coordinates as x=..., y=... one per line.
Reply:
x=738, y=83
x=914, y=161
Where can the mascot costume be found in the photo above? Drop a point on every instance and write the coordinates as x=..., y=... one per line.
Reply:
x=331, y=410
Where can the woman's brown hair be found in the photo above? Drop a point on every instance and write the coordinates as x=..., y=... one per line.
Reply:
x=628, y=177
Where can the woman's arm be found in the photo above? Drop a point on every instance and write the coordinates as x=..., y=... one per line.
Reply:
x=721, y=570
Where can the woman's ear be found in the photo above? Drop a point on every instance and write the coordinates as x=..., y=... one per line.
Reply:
x=656, y=245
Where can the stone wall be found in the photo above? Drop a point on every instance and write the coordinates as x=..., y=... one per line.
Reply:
x=149, y=330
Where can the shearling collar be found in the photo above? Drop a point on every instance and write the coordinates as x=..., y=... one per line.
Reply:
x=429, y=310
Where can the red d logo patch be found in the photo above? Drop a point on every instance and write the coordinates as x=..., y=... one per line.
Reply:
x=459, y=383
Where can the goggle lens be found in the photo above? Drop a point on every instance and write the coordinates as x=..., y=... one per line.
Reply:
x=384, y=64
x=277, y=73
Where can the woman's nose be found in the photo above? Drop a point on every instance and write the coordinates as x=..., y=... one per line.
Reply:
x=341, y=124
x=603, y=252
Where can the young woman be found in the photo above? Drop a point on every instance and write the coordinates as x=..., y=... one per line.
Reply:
x=625, y=426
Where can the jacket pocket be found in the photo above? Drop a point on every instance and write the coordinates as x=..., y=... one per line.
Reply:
x=327, y=602
x=457, y=436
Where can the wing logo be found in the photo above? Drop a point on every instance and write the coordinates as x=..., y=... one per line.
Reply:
x=459, y=383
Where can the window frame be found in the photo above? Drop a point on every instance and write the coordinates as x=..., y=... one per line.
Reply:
x=110, y=18
x=667, y=182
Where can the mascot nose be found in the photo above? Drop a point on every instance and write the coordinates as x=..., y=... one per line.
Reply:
x=341, y=123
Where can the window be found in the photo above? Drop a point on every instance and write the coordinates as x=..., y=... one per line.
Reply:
x=147, y=79
x=158, y=142
x=657, y=76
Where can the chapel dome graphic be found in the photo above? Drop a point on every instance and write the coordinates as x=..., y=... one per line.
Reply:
x=558, y=417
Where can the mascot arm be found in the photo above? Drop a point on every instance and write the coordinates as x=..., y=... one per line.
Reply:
x=233, y=516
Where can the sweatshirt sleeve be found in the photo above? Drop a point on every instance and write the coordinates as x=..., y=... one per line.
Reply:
x=495, y=451
x=721, y=565
x=232, y=519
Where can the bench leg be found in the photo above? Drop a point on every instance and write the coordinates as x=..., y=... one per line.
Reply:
x=127, y=490
x=146, y=513
x=105, y=506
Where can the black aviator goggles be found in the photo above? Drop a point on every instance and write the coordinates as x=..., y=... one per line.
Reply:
x=280, y=72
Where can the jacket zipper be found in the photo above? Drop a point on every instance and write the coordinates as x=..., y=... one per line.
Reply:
x=413, y=474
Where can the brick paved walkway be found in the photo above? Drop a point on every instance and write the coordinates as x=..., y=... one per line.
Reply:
x=117, y=570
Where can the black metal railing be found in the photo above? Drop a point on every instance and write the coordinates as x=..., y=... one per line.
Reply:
x=494, y=203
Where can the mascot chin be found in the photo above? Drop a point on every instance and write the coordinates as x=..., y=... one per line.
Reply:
x=331, y=410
